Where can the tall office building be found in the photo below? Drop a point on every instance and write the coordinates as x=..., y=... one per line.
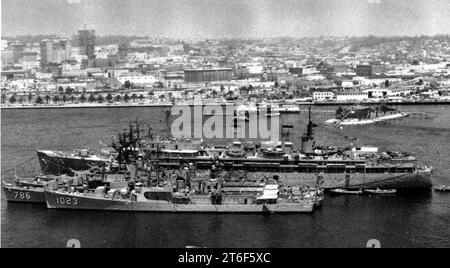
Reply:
x=7, y=57
x=54, y=51
x=87, y=43
x=18, y=49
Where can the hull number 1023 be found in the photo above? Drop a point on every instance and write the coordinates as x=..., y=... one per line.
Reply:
x=67, y=201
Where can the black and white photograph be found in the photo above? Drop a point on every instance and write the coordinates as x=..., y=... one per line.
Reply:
x=225, y=129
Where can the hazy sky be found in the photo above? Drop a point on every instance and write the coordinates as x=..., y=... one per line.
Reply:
x=227, y=18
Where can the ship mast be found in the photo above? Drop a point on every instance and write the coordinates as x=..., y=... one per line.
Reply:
x=308, y=142
x=309, y=131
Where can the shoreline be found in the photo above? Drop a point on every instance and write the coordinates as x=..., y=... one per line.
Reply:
x=166, y=105
x=79, y=106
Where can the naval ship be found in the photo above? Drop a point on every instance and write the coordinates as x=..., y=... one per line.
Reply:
x=365, y=115
x=26, y=190
x=189, y=192
x=266, y=198
x=313, y=165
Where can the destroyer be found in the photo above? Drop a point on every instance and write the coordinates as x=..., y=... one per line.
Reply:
x=209, y=197
x=25, y=190
x=29, y=189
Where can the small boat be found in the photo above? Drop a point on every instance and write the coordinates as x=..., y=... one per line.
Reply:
x=379, y=191
x=347, y=192
x=442, y=188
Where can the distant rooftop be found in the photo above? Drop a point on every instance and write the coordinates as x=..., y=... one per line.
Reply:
x=211, y=69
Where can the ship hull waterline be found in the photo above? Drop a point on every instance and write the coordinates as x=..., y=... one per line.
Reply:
x=399, y=181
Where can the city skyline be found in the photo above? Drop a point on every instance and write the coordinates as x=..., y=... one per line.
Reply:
x=231, y=18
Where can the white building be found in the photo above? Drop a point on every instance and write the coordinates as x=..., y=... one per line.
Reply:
x=432, y=94
x=310, y=70
x=176, y=48
x=348, y=84
x=375, y=82
x=30, y=65
x=138, y=80
x=315, y=77
x=382, y=93
x=70, y=66
x=322, y=96
x=139, y=57
x=4, y=44
x=100, y=75
x=351, y=96
x=21, y=84
x=252, y=68
x=43, y=76
x=78, y=58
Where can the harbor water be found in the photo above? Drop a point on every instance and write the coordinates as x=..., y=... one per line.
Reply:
x=406, y=220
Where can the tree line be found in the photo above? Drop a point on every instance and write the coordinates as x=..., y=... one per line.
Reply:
x=84, y=98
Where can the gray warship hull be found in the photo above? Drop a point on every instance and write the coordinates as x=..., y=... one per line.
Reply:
x=399, y=181
x=59, y=200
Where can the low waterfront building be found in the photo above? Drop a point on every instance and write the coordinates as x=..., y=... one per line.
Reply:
x=431, y=94
x=379, y=93
x=173, y=80
x=14, y=73
x=353, y=96
x=138, y=79
x=20, y=85
x=30, y=65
